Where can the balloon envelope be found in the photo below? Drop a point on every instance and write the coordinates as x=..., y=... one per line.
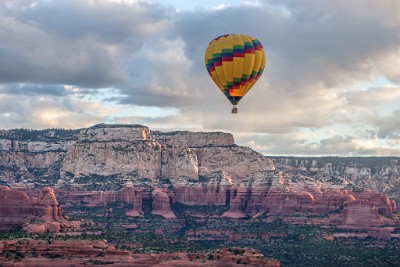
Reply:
x=235, y=62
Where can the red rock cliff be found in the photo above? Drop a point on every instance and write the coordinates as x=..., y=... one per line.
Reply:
x=34, y=214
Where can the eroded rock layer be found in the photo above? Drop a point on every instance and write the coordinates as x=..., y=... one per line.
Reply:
x=130, y=163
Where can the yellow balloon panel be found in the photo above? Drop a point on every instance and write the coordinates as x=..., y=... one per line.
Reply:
x=235, y=62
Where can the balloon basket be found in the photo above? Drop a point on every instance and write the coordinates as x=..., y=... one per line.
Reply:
x=234, y=110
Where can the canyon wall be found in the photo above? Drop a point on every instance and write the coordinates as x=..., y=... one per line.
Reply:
x=130, y=163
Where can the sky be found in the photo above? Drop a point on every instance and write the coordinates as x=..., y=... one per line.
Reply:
x=331, y=86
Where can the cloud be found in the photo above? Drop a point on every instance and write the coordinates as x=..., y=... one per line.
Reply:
x=306, y=45
x=303, y=145
x=163, y=123
x=109, y=22
x=74, y=42
x=161, y=76
x=277, y=144
x=373, y=96
x=128, y=45
x=351, y=146
x=149, y=51
x=25, y=111
x=268, y=111
x=34, y=89
x=31, y=55
x=57, y=58
x=387, y=126
x=314, y=54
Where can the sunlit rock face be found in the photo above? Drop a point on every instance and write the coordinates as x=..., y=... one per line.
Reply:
x=131, y=153
x=121, y=159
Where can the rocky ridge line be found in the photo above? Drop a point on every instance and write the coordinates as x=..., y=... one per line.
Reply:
x=202, y=169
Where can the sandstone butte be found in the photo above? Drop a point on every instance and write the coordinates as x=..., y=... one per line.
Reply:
x=36, y=215
x=131, y=163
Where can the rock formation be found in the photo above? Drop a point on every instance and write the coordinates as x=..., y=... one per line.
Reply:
x=15, y=208
x=130, y=163
x=129, y=194
x=191, y=139
x=380, y=174
x=161, y=204
x=34, y=214
x=29, y=252
x=32, y=156
x=129, y=152
x=213, y=191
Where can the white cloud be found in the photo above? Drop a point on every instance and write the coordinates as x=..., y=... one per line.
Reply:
x=387, y=126
x=220, y=7
x=373, y=96
x=19, y=111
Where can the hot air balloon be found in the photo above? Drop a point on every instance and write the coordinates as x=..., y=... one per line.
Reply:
x=235, y=62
